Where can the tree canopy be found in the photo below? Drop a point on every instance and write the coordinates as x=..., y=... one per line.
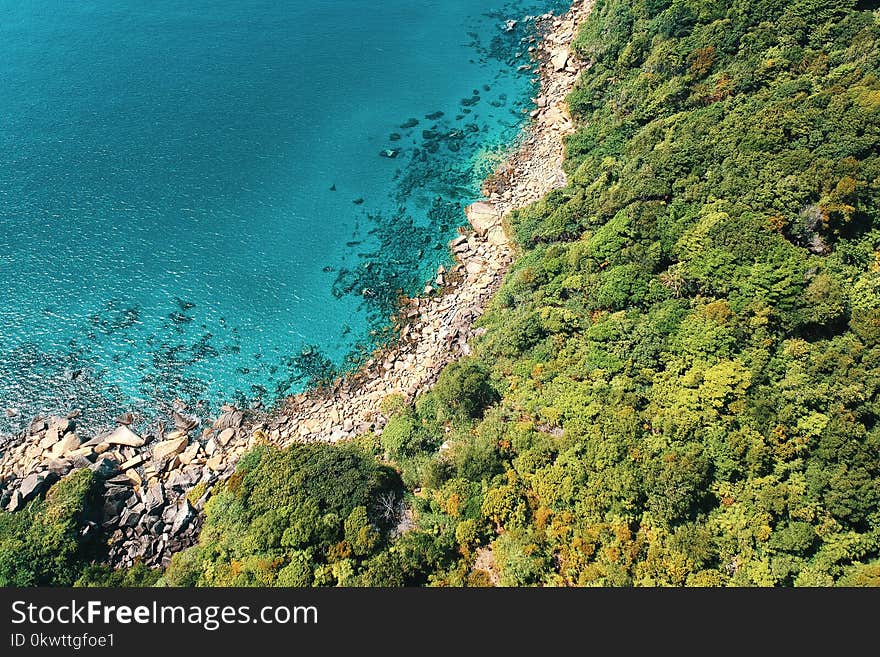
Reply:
x=686, y=351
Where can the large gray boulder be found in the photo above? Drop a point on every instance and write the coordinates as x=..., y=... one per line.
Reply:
x=154, y=498
x=104, y=468
x=33, y=485
x=131, y=517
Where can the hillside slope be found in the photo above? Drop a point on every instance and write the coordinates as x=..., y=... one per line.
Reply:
x=687, y=349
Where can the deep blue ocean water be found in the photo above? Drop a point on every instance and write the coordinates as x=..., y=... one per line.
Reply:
x=194, y=201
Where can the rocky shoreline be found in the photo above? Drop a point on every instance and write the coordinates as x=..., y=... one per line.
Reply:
x=156, y=481
x=437, y=327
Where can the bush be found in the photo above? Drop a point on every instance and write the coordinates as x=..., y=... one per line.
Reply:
x=40, y=545
x=464, y=390
x=287, y=513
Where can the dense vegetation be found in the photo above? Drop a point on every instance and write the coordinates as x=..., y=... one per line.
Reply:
x=39, y=545
x=687, y=349
x=678, y=383
x=310, y=514
x=55, y=541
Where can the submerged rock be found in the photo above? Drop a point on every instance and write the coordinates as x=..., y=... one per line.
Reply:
x=183, y=422
x=125, y=419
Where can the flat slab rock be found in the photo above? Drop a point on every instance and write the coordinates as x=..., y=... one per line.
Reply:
x=170, y=447
x=33, y=484
x=122, y=435
x=482, y=215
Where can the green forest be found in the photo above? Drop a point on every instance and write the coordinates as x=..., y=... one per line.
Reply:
x=678, y=381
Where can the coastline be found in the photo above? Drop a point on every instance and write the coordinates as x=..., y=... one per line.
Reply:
x=158, y=482
x=436, y=329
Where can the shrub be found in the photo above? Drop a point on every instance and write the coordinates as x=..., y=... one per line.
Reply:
x=464, y=390
x=289, y=513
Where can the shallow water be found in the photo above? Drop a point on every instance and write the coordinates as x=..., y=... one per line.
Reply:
x=193, y=195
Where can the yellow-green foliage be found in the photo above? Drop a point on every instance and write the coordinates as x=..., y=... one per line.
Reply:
x=196, y=493
x=687, y=353
x=38, y=545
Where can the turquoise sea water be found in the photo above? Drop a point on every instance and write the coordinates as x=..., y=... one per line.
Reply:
x=192, y=194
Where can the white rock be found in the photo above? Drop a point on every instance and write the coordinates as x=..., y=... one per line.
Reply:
x=69, y=443
x=124, y=436
x=225, y=436
x=189, y=454
x=482, y=216
x=496, y=236
x=474, y=267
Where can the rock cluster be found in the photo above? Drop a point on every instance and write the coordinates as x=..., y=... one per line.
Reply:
x=155, y=483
